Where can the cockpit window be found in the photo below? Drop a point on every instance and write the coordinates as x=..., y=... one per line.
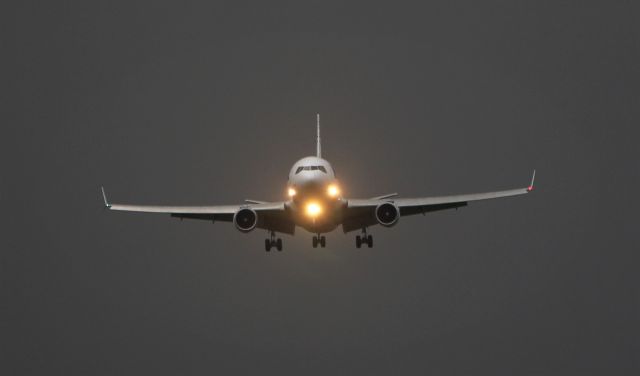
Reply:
x=311, y=168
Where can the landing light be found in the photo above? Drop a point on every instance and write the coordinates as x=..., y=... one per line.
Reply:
x=292, y=192
x=333, y=190
x=313, y=209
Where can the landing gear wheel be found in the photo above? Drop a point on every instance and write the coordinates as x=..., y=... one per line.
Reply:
x=272, y=241
x=364, y=239
x=323, y=241
x=314, y=242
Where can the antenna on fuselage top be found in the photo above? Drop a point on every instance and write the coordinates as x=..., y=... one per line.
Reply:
x=318, y=148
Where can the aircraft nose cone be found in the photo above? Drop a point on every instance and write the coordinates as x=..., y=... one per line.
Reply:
x=310, y=185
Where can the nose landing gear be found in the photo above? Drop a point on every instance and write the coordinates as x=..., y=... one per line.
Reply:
x=272, y=241
x=364, y=239
x=318, y=239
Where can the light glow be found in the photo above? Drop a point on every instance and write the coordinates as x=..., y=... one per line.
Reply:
x=313, y=209
x=292, y=192
x=333, y=190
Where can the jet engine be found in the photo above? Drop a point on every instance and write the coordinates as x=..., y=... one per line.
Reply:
x=387, y=214
x=245, y=219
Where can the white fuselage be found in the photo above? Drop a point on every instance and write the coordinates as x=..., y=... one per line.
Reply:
x=315, y=195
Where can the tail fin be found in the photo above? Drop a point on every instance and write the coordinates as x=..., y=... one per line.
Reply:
x=318, y=147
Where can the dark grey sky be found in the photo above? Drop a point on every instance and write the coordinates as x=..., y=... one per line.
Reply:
x=188, y=103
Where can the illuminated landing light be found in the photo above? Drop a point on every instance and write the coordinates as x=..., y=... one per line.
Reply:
x=333, y=191
x=313, y=209
x=292, y=192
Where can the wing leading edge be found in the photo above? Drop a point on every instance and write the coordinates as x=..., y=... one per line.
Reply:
x=360, y=213
x=271, y=215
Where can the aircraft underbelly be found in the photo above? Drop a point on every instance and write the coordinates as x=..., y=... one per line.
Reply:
x=321, y=227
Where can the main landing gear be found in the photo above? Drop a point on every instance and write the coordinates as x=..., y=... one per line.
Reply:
x=272, y=241
x=368, y=239
x=318, y=239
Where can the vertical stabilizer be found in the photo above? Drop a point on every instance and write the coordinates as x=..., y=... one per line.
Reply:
x=318, y=147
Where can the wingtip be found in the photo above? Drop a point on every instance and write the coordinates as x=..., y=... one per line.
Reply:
x=533, y=178
x=104, y=198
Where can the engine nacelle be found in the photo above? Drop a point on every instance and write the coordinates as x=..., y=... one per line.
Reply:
x=245, y=219
x=387, y=214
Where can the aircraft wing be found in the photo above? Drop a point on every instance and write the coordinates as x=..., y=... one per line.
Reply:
x=359, y=213
x=271, y=215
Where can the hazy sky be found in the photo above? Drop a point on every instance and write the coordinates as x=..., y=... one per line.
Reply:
x=205, y=103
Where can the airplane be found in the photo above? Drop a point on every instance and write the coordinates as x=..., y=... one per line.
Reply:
x=315, y=203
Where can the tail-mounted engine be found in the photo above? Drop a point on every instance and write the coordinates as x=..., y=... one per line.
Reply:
x=387, y=214
x=245, y=219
